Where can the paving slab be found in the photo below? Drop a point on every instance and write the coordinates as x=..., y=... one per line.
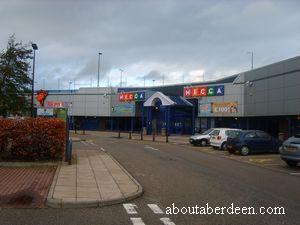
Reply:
x=25, y=187
x=96, y=180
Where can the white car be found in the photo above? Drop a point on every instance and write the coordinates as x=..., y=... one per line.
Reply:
x=219, y=137
x=201, y=139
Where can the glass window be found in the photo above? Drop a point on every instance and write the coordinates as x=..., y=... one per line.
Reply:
x=263, y=135
x=250, y=135
x=294, y=140
x=215, y=133
x=233, y=133
x=207, y=131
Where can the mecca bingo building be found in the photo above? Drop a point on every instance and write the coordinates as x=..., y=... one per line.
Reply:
x=266, y=98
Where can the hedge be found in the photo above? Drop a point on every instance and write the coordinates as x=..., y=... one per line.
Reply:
x=33, y=138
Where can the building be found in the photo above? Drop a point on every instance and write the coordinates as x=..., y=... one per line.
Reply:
x=266, y=98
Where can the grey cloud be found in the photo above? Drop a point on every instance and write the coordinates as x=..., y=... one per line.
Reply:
x=152, y=75
x=189, y=35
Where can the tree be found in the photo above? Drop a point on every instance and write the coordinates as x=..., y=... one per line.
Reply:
x=14, y=77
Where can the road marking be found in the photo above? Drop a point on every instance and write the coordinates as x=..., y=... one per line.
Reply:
x=149, y=147
x=155, y=208
x=137, y=221
x=83, y=142
x=295, y=174
x=255, y=160
x=130, y=208
x=93, y=144
x=102, y=149
x=166, y=221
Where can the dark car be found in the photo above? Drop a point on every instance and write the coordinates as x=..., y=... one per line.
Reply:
x=252, y=141
x=290, y=151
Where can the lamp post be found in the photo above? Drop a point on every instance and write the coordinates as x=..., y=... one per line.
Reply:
x=153, y=82
x=35, y=47
x=99, y=54
x=251, y=59
x=121, y=77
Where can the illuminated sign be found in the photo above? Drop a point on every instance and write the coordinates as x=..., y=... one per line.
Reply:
x=57, y=104
x=132, y=96
x=225, y=107
x=195, y=92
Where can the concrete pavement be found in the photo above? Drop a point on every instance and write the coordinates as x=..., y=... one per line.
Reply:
x=95, y=180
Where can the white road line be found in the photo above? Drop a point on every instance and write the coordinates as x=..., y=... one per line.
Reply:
x=149, y=147
x=167, y=221
x=295, y=174
x=130, y=208
x=93, y=144
x=102, y=149
x=83, y=142
x=155, y=208
x=137, y=221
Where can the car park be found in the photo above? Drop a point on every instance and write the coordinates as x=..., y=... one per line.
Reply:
x=253, y=141
x=219, y=137
x=290, y=151
x=201, y=139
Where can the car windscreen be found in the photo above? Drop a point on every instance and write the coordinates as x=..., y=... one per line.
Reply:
x=293, y=140
x=215, y=133
x=207, y=131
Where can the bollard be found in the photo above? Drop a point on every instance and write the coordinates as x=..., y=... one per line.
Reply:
x=153, y=136
x=130, y=135
x=167, y=137
x=142, y=135
x=119, y=135
x=70, y=153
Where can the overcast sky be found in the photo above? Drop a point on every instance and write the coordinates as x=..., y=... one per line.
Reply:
x=168, y=41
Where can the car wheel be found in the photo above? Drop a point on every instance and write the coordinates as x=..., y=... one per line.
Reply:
x=214, y=147
x=244, y=151
x=203, y=142
x=291, y=163
x=224, y=146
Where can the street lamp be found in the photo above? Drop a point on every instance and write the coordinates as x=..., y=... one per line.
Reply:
x=251, y=59
x=99, y=54
x=121, y=77
x=153, y=82
x=35, y=47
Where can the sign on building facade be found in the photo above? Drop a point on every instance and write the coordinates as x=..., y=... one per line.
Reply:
x=225, y=107
x=126, y=109
x=132, y=96
x=203, y=91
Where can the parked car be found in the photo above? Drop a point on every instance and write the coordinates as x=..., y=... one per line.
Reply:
x=201, y=139
x=290, y=151
x=253, y=141
x=219, y=137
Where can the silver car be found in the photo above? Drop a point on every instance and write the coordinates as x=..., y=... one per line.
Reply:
x=290, y=151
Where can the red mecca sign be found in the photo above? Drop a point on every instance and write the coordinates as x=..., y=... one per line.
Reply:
x=195, y=92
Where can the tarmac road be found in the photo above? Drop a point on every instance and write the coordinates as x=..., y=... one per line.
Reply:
x=178, y=174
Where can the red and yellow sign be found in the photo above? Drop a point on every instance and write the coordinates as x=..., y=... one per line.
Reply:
x=225, y=107
x=41, y=96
